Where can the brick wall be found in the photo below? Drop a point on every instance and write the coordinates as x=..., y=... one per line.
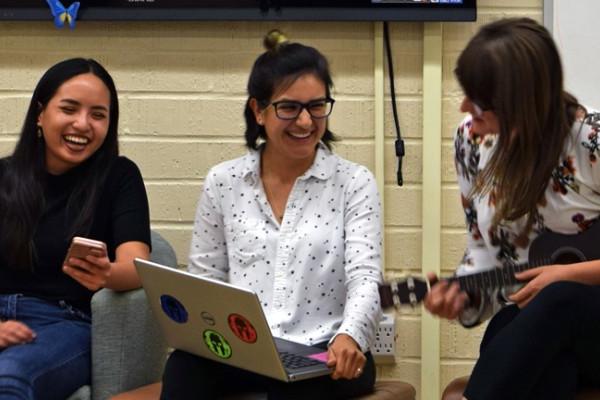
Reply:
x=182, y=91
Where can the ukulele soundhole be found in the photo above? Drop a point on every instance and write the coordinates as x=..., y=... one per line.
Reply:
x=568, y=255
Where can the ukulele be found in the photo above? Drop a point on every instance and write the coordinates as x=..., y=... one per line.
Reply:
x=546, y=249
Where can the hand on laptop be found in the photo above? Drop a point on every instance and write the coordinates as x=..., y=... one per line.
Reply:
x=346, y=357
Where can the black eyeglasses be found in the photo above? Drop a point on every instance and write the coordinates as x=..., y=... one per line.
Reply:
x=288, y=109
x=478, y=109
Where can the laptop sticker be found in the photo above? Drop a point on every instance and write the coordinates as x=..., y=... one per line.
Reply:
x=208, y=318
x=217, y=343
x=319, y=356
x=173, y=308
x=242, y=328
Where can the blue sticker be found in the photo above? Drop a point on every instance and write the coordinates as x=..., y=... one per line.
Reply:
x=173, y=308
x=63, y=14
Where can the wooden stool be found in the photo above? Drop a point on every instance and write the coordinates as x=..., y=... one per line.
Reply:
x=148, y=392
x=455, y=389
x=391, y=390
x=384, y=390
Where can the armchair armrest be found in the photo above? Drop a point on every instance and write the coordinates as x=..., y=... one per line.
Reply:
x=128, y=349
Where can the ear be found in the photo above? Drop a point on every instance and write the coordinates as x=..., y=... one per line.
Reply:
x=258, y=115
x=40, y=114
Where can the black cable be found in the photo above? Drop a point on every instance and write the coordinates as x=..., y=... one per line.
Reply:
x=276, y=5
x=399, y=144
x=263, y=5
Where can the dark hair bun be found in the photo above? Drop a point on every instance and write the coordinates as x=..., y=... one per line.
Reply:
x=274, y=39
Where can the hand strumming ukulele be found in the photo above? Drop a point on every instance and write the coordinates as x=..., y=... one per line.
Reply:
x=547, y=249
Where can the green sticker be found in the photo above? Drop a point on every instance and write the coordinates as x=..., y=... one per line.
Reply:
x=217, y=343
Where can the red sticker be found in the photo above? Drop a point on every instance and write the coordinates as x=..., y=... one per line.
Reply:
x=242, y=328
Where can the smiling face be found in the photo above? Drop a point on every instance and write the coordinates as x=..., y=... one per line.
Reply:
x=293, y=140
x=75, y=122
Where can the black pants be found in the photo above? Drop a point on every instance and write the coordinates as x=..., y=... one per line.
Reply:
x=188, y=377
x=544, y=351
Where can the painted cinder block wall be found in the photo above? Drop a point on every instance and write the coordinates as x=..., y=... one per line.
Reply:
x=182, y=92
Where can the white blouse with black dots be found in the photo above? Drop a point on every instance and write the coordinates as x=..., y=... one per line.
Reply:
x=317, y=272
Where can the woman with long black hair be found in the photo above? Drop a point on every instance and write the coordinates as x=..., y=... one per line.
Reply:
x=65, y=178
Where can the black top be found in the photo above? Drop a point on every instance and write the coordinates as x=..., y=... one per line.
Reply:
x=121, y=216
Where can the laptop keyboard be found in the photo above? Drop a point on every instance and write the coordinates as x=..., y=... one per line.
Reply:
x=294, y=361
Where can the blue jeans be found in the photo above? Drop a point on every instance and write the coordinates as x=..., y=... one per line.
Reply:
x=57, y=362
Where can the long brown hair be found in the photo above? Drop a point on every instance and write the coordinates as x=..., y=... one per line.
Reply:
x=512, y=67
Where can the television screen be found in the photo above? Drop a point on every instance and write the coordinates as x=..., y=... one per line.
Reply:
x=289, y=10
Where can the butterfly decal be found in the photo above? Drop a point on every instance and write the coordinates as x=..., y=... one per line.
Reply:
x=62, y=14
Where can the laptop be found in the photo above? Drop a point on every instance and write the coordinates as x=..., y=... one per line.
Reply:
x=224, y=323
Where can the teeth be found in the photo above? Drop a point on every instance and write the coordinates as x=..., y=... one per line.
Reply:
x=300, y=135
x=76, y=139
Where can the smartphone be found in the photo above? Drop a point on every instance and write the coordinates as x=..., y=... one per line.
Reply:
x=81, y=247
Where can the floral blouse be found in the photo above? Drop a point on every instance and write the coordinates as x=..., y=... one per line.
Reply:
x=571, y=204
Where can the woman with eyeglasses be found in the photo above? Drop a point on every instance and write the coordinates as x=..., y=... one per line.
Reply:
x=298, y=225
x=527, y=165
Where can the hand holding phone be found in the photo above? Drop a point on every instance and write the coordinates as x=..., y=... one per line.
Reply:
x=92, y=273
x=82, y=247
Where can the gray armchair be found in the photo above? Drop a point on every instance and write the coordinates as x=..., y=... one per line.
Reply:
x=128, y=349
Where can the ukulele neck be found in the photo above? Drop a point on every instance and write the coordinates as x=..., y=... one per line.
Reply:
x=494, y=278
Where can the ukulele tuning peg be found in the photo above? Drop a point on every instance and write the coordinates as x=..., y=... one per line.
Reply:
x=394, y=286
x=413, y=300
